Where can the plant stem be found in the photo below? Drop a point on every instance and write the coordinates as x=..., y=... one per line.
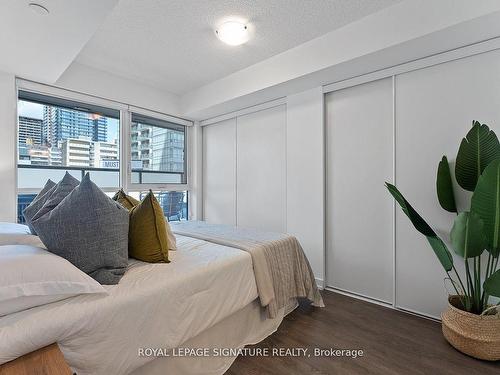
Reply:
x=479, y=286
x=463, y=298
x=470, y=286
x=484, y=299
x=491, y=272
x=459, y=279
x=466, y=302
x=477, y=278
x=453, y=283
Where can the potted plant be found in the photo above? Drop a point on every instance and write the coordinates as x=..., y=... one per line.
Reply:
x=472, y=321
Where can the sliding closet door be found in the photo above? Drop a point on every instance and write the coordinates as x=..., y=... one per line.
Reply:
x=261, y=169
x=219, y=172
x=359, y=123
x=435, y=108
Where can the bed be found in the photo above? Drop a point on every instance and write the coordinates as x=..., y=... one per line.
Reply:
x=206, y=291
x=209, y=296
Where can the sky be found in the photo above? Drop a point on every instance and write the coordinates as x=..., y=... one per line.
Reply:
x=29, y=109
x=35, y=110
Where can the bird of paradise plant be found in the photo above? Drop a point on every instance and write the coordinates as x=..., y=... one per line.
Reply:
x=477, y=169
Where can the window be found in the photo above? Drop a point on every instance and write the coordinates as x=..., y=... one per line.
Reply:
x=157, y=151
x=57, y=135
x=173, y=203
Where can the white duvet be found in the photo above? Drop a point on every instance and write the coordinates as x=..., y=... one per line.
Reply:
x=154, y=305
x=17, y=234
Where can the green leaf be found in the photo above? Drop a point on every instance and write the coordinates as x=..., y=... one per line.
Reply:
x=467, y=235
x=414, y=217
x=441, y=252
x=485, y=203
x=436, y=243
x=444, y=186
x=492, y=285
x=478, y=149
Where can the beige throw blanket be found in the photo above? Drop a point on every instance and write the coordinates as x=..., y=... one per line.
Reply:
x=281, y=269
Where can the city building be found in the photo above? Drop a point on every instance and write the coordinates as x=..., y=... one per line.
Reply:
x=83, y=152
x=157, y=149
x=62, y=123
x=76, y=152
x=30, y=131
x=55, y=156
x=104, y=155
x=39, y=155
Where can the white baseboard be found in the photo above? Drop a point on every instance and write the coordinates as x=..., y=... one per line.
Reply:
x=382, y=303
x=320, y=283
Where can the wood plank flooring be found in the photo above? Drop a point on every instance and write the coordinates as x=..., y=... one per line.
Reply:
x=393, y=343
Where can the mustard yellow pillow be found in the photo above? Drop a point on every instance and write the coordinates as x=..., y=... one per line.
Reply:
x=147, y=236
x=125, y=200
x=129, y=202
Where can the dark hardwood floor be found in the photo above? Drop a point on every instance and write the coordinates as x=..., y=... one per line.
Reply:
x=393, y=343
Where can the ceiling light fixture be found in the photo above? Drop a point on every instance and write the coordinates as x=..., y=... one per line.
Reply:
x=233, y=33
x=38, y=9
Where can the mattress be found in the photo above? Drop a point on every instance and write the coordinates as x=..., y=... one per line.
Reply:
x=154, y=305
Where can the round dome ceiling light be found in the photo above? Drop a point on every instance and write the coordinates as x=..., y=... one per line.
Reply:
x=233, y=33
x=38, y=9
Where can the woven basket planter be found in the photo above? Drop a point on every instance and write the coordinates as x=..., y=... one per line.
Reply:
x=474, y=335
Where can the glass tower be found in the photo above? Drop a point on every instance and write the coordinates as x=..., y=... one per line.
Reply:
x=62, y=123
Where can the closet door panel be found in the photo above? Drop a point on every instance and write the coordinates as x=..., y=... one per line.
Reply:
x=435, y=107
x=219, y=172
x=261, y=169
x=359, y=136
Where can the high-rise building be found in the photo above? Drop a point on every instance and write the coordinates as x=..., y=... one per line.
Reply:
x=30, y=131
x=62, y=123
x=158, y=149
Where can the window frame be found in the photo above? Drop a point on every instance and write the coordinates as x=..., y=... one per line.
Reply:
x=187, y=150
x=125, y=121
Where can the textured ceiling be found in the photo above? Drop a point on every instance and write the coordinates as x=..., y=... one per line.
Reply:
x=170, y=44
x=41, y=47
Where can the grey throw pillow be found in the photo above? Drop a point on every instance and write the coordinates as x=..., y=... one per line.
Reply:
x=90, y=230
x=37, y=203
x=57, y=194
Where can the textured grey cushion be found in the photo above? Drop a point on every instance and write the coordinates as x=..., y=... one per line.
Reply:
x=57, y=194
x=90, y=230
x=37, y=203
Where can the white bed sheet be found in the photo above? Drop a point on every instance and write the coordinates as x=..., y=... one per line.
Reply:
x=249, y=325
x=154, y=305
x=17, y=234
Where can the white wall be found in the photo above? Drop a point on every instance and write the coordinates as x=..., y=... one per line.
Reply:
x=244, y=173
x=434, y=110
x=264, y=169
x=372, y=249
x=8, y=121
x=434, y=107
x=261, y=170
x=305, y=175
x=96, y=82
x=359, y=227
x=219, y=172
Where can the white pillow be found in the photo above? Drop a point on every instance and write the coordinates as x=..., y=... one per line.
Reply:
x=18, y=234
x=31, y=276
